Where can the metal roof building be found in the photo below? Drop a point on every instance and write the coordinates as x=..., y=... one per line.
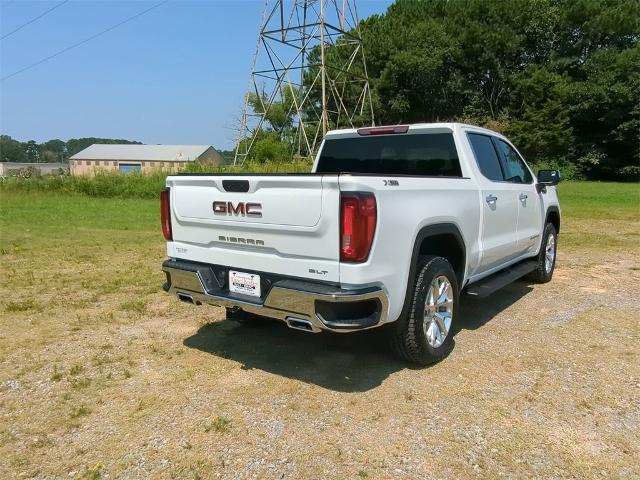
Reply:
x=140, y=158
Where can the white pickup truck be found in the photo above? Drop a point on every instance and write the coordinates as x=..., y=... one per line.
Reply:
x=389, y=228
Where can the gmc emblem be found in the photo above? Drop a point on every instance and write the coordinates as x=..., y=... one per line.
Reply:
x=240, y=208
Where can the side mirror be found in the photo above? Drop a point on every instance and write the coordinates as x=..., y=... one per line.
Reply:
x=547, y=178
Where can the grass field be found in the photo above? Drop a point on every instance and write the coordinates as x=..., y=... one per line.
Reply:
x=103, y=375
x=116, y=185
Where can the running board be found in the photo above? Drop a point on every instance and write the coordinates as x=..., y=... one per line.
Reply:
x=486, y=286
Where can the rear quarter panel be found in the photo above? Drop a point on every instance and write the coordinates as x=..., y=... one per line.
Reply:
x=403, y=210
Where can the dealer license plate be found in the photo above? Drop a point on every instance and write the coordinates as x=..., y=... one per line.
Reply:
x=245, y=283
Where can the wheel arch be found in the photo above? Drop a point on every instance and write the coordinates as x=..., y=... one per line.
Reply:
x=441, y=239
x=553, y=216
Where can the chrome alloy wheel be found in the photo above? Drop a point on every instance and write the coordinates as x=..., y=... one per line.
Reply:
x=438, y=311
x=550, y=253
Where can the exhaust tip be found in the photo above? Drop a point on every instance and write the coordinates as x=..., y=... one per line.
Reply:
x=183, y=297
x=300, y=324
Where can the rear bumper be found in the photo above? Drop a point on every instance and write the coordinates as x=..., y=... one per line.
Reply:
x=318, y=305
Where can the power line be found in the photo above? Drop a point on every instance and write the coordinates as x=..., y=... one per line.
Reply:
x=34, y=19
x=82, y=42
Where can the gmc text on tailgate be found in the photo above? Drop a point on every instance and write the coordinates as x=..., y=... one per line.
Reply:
x=388, y=230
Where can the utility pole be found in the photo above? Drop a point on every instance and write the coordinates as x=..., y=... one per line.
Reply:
x=309, y=60
x=324, y=76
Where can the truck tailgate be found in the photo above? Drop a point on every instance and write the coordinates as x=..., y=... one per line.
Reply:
x=271, y=223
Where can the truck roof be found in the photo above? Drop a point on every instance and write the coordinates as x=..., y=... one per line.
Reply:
x=413, y=127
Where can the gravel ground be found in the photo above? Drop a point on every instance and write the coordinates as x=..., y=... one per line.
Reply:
x=104, y=380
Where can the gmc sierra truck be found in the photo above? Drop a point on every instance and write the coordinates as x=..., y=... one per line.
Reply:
x=391, y=226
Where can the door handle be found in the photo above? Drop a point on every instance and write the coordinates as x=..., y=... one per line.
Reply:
x=491, y=199
x=523, y=197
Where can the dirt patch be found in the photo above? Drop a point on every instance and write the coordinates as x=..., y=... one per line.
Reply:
x=101, y=378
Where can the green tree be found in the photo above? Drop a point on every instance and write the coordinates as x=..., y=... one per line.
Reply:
x=605, y=110
x=11, y=150
x=280, y=114
x=540, y=121
x=32, y=151
x=275, y=138
x=560, y=77
x=53, y=151
x=268, y=146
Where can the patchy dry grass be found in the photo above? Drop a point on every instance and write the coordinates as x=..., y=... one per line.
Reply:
x=136, y=306
x=103, y=375
x=218, y=423
x=23, y=306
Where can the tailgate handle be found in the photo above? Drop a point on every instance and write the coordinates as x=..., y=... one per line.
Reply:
x=235, y=185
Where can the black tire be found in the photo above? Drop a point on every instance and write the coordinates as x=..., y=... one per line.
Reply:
x=408, y=338
x=540, y=274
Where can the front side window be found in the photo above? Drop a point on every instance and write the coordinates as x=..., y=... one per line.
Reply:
x=486, y=156
x=514, y=168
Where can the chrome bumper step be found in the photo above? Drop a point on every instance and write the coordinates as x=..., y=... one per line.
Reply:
x=291, y=301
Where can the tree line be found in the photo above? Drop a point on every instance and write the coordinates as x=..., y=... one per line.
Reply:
x=560, y=78
x=51, y=151
x=12, y=150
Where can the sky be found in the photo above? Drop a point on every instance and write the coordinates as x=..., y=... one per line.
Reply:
x=175, y=75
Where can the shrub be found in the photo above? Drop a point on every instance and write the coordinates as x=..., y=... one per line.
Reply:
x=114, y=184
x=568, y=170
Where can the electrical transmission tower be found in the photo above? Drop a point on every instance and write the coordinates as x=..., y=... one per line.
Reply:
x=309, y=75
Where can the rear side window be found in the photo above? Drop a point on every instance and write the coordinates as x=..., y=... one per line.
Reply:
x=486, y=156
x=514, y=168
x=429, y=154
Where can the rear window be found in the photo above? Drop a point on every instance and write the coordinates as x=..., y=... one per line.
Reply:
x=486, y=156
x=430, y=154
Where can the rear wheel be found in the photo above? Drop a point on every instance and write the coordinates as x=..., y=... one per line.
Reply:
x=546, y=260
x=424, y=334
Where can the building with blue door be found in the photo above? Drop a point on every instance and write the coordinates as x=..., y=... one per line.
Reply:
x=141, y=159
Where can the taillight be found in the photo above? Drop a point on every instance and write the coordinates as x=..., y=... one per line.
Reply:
x=165, y=214
x=357, y=225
